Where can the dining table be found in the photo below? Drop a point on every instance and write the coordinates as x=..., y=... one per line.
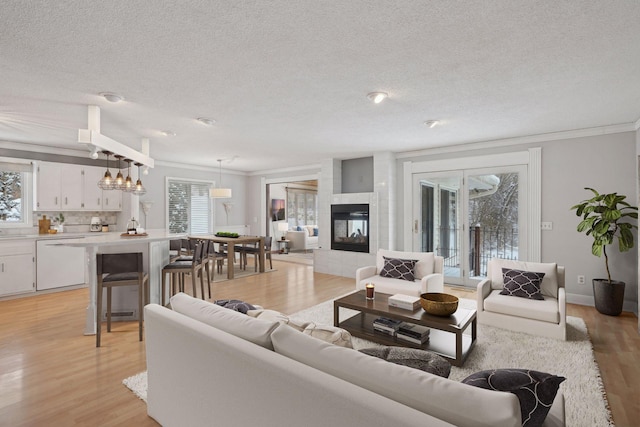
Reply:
x=231, y=243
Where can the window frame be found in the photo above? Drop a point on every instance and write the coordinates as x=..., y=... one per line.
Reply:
x=28, y=192
x=210, y=206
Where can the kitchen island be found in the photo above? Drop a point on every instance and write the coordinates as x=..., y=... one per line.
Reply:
x=154, y=247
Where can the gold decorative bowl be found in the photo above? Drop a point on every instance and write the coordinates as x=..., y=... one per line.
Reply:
x=439, y=304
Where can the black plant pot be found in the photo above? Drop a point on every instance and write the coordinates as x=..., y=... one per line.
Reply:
x=609, y=296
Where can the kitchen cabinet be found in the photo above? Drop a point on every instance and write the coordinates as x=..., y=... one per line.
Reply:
x=67, y=187
x=17, y=267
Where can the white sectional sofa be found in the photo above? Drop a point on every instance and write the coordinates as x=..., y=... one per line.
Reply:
x=304, y=239
x=208, y=365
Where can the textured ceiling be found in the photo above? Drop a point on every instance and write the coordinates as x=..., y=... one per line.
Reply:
x=286, y=81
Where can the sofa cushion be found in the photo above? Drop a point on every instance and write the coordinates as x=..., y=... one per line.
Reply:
x=327, y=333
x=422, y=391
x=427, y=361
x=535, y=390
x=397, y=268
x=255, y=330
x=423, y=267
x=524, y=284
x=549, y=285
x=544, y=310
x=276, y=316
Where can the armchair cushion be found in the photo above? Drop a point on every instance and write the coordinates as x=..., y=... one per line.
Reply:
x=545, y=310
x=397, y=268
x=424, y=264
x=524, y=284
x=548, y=286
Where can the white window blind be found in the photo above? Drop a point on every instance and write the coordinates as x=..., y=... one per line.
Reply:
x=189, y=207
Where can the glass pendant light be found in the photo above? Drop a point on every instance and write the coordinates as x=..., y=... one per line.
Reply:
x=128, y=183
x=107, y=182
x=139, y=189
x=119, y=181
x=220, y=193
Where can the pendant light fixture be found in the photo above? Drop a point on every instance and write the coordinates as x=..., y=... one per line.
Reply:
x=119, y=181
x=139, y=189
x=107, y=182
x=220, y=193
x=128, y=182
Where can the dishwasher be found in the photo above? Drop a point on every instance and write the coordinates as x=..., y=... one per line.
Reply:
x=58, y=266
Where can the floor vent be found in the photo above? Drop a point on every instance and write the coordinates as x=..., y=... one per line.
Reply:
x=121, y=316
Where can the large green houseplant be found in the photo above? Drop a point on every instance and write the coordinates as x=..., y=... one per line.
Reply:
x=605, y=217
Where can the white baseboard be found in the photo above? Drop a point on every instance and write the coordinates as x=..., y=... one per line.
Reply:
x=579, y=299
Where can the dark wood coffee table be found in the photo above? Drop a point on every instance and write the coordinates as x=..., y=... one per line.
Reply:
x=446, y=337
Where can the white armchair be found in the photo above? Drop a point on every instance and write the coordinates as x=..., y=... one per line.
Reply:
x=428, y=272
x=537, y=317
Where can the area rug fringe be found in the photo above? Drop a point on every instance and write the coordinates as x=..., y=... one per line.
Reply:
x=603, y=392
x=138, y=385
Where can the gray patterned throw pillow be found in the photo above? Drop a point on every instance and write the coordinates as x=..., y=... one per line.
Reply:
x=397, y=268
x=524, y=284
x=535, y=390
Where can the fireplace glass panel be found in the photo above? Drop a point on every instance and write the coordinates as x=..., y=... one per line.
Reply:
x=350, y=227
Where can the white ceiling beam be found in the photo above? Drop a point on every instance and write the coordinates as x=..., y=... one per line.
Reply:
x=93, y=136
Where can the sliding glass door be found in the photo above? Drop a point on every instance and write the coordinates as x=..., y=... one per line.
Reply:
x=469, y=217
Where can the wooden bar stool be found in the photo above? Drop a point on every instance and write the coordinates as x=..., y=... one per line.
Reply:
x=120, y=270
x=179, y=268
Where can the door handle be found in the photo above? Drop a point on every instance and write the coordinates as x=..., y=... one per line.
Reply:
x=56, y=201
x=415, y=226
x=66, y=202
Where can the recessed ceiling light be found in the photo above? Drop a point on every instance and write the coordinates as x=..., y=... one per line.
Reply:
x=168, y=133
x=112, y=97
x=377, y=97
x=206, y=121
x=432, y=123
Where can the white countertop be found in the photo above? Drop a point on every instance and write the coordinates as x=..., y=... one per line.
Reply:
x=115, y=238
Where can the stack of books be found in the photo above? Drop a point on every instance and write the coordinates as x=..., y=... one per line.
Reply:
x=415, y=334
x=386, y=325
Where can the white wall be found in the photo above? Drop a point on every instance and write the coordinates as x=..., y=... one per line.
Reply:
x=605, y=162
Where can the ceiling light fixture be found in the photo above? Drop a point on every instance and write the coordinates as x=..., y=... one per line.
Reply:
x=128, y=182
x=220, y=193
x=95, y=152
x=106, y=183
x=168, y=133
x=112, y=97
x=119, y=181
x=432, y=123
x=377, y=97
x=139, y=189
x=206, y=121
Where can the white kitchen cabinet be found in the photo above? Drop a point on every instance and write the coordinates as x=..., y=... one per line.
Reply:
x=92, y=194
x=67, y=187
x=48, y=192
x=111, y=200
x=17, y=267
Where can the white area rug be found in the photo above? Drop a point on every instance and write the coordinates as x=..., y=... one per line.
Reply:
x=585, y=400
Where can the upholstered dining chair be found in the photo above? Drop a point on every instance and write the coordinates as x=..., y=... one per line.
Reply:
x=178, y=269
x=114, y=270
x=255, y=251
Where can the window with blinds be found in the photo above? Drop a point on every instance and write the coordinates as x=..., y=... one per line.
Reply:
x=15, y=195
x=189, y=207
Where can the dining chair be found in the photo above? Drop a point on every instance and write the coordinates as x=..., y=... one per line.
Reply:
x=114, y=270
x=255, y=251
x=178, y=269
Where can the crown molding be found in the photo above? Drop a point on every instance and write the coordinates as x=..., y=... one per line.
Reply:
x=521, y=140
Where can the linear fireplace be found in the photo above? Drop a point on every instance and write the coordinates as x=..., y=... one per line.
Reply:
x=350, y=227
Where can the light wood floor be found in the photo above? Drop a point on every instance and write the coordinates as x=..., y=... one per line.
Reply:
x=50, y=374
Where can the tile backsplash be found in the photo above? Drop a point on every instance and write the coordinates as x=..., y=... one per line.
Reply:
x=78, y=221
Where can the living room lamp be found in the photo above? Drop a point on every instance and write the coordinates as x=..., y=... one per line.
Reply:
x=283, y=227
x=220, y=193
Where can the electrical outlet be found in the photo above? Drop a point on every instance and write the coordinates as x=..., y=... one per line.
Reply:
x=546, y=226
x=581, y=280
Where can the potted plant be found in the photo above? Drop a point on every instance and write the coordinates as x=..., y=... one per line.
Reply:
x=60, y=221
x=605, y=217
